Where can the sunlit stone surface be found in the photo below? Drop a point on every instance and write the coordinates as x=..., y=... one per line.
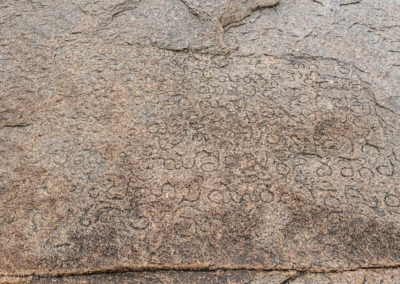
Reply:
x=249, y=135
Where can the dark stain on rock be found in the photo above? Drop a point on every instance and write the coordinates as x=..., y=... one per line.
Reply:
x=344, y=236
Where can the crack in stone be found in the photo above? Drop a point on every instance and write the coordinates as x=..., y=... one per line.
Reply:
x=234, y=12
x=202, y=268
x=190, y=9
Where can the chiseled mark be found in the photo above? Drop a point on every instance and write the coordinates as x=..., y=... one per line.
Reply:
x=350, y=3
x=318, y=2
x=15, y=125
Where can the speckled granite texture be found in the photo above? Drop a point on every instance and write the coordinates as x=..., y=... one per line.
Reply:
x=250, y=140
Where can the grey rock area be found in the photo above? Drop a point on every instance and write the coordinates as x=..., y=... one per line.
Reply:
x=251, y=140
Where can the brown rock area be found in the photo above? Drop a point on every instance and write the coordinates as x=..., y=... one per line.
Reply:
x=188, y=141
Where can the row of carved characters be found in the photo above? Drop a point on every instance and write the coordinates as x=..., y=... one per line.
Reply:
x=271, y=73
x=379, y=198
x=359, y=169
x=189, y=220
x=179, y=60
x=187, y=144
x=328, y=181
x=250, y=194
x=308, y=169
x=357, y=101
x=375, y=194
x=289, y=68
x=281, y=72
x=204, y=63
x=258, y=82
x=299, y=65
x=292, y=101
x=348, y=197
x=129, y=189
x=354, y=101
x=322, y=137
x=226, y=112
x=147, y=161
x=260, y=164
x=209, y=160
x=184, y=221
x=251, y=173
x=254, y=129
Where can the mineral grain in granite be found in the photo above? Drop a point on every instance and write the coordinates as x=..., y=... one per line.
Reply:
x=243, y=139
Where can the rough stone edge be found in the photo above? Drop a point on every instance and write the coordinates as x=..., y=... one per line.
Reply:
x=294, y=272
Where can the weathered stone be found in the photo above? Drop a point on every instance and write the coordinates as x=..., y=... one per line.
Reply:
x=207, y=135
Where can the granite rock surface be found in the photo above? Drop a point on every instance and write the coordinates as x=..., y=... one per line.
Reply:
x=250, y=140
